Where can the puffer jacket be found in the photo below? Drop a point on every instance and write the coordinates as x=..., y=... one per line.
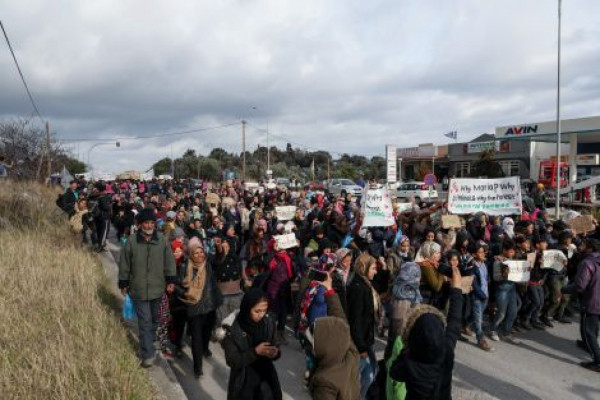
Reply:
x=147, y=267
x=587, y=283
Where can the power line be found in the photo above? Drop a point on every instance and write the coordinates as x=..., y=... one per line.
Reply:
x=195, y=130
x=21, y=73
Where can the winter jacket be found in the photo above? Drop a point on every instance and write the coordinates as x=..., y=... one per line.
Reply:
x=431, y=380
x=336, y=374
x=587, y=283
x=146, y=267
x=240, y=354
x=211, y=296
x=361, y=313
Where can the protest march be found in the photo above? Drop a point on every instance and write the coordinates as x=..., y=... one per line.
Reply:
x=218, y=265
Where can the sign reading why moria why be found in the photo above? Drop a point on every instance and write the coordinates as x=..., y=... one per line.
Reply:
x=377, y=208
x=554, y=259
x=285, y=213
x=286, y=241
x=518, y=271
x=501, y=196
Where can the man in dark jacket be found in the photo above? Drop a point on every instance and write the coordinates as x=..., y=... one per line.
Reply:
x=146, y=268
x=100, y=206
x=427, y=361
x=587, y=284
x=71, y=197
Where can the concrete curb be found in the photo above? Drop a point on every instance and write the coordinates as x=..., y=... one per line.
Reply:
x=162, y=377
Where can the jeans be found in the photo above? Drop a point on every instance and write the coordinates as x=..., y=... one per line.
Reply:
x=535, y=294
x=200, y=327
x=231, y=302
x=477, y=309
x=506, y=301
x=147, y=313
x=367, y=371
x=590, y=338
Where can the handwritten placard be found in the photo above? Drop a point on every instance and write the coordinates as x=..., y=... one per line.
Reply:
x=501, y=196
x=286, y=241
x=377, y=207
x=518, y=271
x=403, y=207
x=285, y=213
x=582, y=224
x=466, y=284
x=451, y=221
x=554, y=259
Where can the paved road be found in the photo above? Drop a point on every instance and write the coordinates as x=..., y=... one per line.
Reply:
x=544, y=366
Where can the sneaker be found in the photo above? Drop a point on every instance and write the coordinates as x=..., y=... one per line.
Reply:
x=538, y=325
x=468, y=331
x=563, y=320
x=147, y=362
x=484, y=345
x=547, y=322
x=592, y=366
x=207, y=353
x=494, y=336
x=511, y=339
x=526, y=325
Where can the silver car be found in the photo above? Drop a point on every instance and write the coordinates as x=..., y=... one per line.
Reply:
x=341, y=187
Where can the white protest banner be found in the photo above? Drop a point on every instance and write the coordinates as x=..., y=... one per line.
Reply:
x=285, y=213
x=286, y=241
x=501, y=196
x=377, y=208
x=554, y=259
x=518, y=271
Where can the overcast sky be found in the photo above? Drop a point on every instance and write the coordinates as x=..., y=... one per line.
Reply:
x=343, y=76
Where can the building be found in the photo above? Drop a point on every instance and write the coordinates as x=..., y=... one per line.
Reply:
x=414, y=161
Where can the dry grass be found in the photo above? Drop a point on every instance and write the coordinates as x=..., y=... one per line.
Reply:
x=58, y=338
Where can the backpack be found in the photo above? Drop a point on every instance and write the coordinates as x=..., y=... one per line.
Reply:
x=60, y=202
x=94, y=207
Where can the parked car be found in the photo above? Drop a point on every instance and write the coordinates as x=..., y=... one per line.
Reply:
x=283, y=183
x=341, y=187
x=253, y=187
x=418, y=190
x=383, y=182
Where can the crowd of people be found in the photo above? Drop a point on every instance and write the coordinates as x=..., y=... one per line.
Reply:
x=206, y=261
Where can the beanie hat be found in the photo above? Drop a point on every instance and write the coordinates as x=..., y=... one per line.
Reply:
x=147, y=214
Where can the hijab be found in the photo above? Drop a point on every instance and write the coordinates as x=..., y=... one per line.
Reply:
x=258, y=332
x=195, y=275
x=508, y=225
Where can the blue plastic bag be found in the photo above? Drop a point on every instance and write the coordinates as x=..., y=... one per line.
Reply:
x=128, y=309
x=347, y=240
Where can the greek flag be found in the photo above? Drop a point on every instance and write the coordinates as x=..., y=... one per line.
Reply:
x=452, y=135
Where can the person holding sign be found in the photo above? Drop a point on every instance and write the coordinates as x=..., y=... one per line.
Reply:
x=556, y=281
x=506, y=296
x=535, y=288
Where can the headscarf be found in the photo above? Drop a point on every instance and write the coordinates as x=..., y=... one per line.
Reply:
x=258, y=332
x=195, y=275
x=508, y=225
x=361, y=266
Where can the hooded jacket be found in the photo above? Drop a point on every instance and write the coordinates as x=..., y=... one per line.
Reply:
x=336, y=374
x=361, y=307
x=587, y=282
x=427, y=361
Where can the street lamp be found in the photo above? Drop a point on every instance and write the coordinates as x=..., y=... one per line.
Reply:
x=117, y=144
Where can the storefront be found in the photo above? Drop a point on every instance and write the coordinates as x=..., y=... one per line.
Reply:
x=415, y=162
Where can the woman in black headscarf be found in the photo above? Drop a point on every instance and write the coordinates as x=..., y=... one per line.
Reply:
x=250, y=348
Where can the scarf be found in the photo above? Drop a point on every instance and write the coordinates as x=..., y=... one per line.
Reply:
x=194, y=281
x=258, y=332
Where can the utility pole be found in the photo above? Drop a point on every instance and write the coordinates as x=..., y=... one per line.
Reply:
x=48, y=148
x=558, y=124
x=243, y=150
x=328, y=167
x=268, y=151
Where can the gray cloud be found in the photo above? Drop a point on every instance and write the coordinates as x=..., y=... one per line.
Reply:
x=345, y=76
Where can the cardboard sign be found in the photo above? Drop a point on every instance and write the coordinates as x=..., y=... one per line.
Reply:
x=500, y=196
x=404, y=207
x=285, y=213
x=466, y=284
x=377, y=208
x=286, y=241
x=582, y=224
x=451, y=221
x=518, y=271
x=554, y=259
x=213, y=198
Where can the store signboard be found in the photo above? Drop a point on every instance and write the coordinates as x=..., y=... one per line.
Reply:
x=391, y=161
x=417, y=152
x=587, y=159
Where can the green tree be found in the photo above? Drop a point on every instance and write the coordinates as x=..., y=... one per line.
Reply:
x=487, y=166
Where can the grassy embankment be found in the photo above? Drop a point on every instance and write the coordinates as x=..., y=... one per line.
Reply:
x=59, y=336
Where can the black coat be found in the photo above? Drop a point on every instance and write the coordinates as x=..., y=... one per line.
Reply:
x=361, y=314
x=240, y=355
x=426, y=381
